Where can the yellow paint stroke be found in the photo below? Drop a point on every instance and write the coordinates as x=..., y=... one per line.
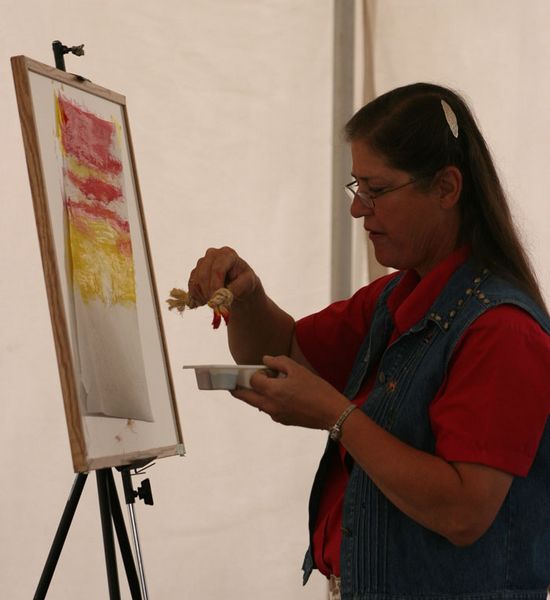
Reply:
x=58, y=126
x=103, y=269
x=118, y=132
x=83, y=171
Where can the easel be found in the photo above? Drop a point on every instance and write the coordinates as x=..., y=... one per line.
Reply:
x=109, y=507
x=109, y=503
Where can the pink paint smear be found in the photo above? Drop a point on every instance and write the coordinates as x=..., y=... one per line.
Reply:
x=87, y=137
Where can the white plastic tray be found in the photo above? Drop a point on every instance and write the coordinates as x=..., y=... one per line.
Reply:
x=224, y=377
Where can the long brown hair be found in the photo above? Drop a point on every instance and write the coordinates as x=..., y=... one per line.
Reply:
x=408, y=127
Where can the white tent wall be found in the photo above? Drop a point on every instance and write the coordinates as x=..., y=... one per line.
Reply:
x=230, y=112
x=230, y=109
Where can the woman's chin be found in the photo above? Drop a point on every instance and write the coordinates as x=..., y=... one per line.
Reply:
x=386, y=260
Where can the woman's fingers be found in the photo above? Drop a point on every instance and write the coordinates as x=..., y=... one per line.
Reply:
x=250, y=397
x=281, y=364
x=222, y=260
x=243, y=283
x=210, y=272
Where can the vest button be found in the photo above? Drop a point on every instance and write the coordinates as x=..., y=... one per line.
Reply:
x=346, y=531
x=381, y=377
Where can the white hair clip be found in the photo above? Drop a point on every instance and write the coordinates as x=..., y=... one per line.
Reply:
x=450, y=117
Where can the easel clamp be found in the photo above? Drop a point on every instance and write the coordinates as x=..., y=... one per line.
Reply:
x=143, y=491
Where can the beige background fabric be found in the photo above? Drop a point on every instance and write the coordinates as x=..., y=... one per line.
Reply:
x=496, y=53
x=230, y=110
x=229, y=105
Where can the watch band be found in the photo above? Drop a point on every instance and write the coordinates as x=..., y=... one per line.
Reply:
x=335, y=432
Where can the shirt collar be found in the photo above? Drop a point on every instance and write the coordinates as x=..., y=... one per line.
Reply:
x=413, y=296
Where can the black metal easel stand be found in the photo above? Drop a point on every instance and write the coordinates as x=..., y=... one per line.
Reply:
x=109, y=506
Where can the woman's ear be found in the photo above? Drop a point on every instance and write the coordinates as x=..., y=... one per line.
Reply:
x=449, y=186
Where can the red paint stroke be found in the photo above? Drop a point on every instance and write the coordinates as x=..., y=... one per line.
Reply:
x=99, y=212
x=216, y=320
x=124, y=246
x=87, y=137
x=95, y=189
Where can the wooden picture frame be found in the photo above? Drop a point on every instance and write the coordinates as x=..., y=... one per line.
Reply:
x=115, y=375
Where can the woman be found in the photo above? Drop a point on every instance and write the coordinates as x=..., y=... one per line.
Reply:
x=432, y=381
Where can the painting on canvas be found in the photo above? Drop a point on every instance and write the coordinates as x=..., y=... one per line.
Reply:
x=114, y=371
x=100, y=263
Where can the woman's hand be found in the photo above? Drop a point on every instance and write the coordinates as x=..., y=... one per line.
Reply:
x=298, y=397
x=221, y=267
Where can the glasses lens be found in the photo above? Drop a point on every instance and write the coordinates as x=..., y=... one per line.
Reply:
x=351, y=190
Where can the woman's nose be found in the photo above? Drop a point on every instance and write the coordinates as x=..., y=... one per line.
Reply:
x=358, y=208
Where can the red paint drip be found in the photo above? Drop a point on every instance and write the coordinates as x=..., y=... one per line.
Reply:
x=95, y=189
x=87, y=137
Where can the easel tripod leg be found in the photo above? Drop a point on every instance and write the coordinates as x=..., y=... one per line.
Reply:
x=107, y=528
x=123, y=541
x=60, y=536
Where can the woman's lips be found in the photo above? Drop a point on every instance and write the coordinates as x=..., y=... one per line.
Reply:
x=374, y=235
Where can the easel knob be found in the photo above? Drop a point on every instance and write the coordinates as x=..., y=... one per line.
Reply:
x=59, y=51
x=143, y=491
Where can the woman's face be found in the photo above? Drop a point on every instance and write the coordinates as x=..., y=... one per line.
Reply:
x=410, y=228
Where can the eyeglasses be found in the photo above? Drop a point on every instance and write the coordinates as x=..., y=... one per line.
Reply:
x=368, y=198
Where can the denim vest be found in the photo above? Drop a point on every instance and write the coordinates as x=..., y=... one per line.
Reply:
x=385, y=555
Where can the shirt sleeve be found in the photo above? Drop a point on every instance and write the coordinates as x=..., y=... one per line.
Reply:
x=330, y=339
x=493, y=405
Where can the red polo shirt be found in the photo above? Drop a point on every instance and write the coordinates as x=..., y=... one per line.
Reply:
x=491, y=408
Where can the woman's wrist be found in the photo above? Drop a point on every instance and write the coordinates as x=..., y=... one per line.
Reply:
x=258, y=326
x=335, y=431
